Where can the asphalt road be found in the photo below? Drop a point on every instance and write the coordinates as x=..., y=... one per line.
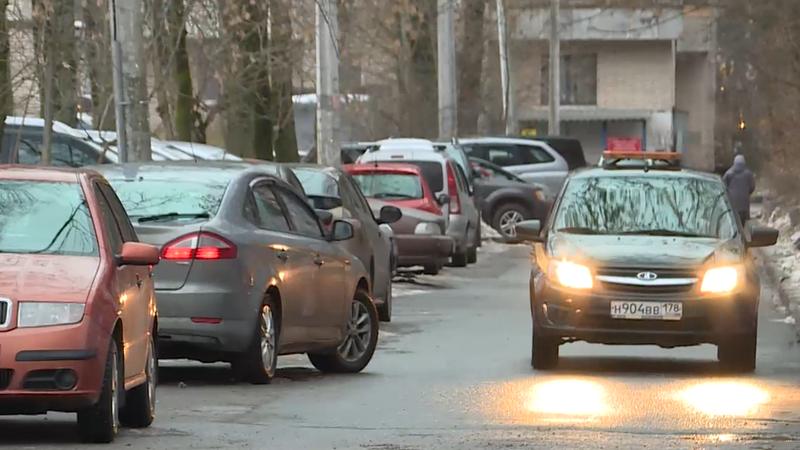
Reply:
x=453, y=371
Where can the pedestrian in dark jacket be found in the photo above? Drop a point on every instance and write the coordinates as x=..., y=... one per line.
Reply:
x=740, y=183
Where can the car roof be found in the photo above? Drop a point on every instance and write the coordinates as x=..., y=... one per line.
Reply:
x=405, y=143
x=639, y=171
x=133, y=169
x=500, y=140
x=384, y=166
x=34, y=173
x=401, y=154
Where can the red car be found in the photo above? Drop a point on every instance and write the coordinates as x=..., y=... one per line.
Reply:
x=77, y=306
x=402, y=185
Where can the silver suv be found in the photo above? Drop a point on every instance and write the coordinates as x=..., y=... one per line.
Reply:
x=450, y=185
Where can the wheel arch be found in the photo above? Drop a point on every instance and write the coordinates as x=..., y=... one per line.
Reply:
x=275, y=294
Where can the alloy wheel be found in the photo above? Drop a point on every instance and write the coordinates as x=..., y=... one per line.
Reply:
x=358, y=335
x=268, y=339
x=509, y=221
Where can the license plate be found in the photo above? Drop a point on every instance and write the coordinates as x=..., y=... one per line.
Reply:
x=646, y=310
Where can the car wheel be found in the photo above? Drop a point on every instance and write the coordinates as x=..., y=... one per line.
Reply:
x=738, y=353
x=544, y=352
x=506, y=218
x=385, y=310
x=358, y=346
x=259, y=362
x=140, y=402
x=100, y=422
x=432, y=269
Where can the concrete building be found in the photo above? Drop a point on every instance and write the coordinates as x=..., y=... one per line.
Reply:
x=627, y=75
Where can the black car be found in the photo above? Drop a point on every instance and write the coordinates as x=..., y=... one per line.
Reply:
x=506, y=199
x=643, y=252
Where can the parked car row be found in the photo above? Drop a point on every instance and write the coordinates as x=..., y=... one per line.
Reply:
x=234, y=265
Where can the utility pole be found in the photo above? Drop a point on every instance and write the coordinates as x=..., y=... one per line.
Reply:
x=446, y=69
x=130, y=80
x=328, y=152
x=555, y=70
x=505, y=70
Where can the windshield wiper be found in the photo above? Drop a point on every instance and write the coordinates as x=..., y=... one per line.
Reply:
x=664, y=232
x=578, y=230
x=173, y=215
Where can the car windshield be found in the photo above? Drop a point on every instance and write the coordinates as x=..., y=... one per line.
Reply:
x=390, y=185
x=45, y=218
x=646, y=205
x=178, y=197
x=317, y=183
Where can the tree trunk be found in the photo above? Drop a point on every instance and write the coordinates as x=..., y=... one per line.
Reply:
x=282, y=72
x=181, y=72
x=61, y=48
x=423, y=104
x=161, y=55
x=470, y=66
x=98, y=60
x=6, y=90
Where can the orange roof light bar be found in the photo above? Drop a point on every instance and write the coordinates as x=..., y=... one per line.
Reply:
x=661, y=156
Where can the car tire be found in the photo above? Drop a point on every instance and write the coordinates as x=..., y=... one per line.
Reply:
x=431, y=269
x=356, y=350
x=544, y=352
x=738, y=353
x=459, y=259
x=99, y=423
x=506, y=215
x=385, y=310
x=258, y=364
x=140, y=402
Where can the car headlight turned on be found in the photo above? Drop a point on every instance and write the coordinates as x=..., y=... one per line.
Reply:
x=571, y=275
x=43, y=314
x=720, y=280
x=427, y=228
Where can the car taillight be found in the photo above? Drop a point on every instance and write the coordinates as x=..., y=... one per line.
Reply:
x=452, y=186
x=200, y=245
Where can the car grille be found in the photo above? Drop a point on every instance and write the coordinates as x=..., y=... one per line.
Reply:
x=5, y=378
x=625, y=280
x=5, y=312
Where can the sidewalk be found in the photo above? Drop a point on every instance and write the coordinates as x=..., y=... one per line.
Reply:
x=782, y=262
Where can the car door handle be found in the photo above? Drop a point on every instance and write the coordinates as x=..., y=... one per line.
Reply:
x=283, y=256
x=318, y=260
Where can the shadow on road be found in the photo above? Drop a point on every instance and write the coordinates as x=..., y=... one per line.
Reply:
x=638, y=366
x=18, y=432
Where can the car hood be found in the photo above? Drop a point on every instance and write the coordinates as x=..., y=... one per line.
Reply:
x=645, y=251
x=47, y=277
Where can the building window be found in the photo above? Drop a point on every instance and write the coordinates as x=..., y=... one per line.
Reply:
x=578, y=80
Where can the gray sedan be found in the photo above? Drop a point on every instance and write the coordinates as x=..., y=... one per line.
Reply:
x=247, y=271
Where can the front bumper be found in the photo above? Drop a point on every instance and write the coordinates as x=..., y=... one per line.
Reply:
x=420, y=250
x=30, y=357
x=186, y=316
x=580, y=316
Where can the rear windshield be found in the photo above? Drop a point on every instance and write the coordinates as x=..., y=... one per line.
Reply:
x=569, y=149
x=432, y=171
x=394, y=186
x=45, y=218
x=182, y=195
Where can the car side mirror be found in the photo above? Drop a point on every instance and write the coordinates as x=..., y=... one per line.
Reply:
x=342, y=231
x=325, y=217
x=762, y=237
x=443, y=199
x=390, y=214
x=138, y=254
x=528, y=230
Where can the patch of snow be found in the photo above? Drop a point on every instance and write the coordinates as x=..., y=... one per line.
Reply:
x=487, y=232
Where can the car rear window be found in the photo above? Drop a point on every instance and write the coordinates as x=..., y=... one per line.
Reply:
x=182, y=194
x=394, y=186
x=432, y=171
x=569, y=149
x=45, y=218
